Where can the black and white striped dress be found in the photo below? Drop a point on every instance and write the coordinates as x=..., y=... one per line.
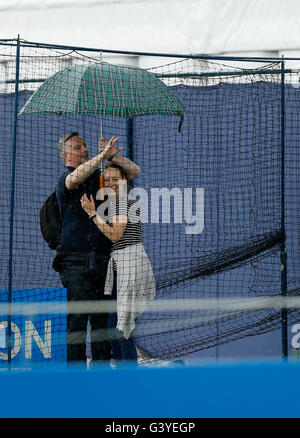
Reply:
x=135, y=278
x=133, y=232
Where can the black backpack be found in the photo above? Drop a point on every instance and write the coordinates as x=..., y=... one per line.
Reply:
x=50, y=221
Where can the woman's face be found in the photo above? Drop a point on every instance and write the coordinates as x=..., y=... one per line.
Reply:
x=113, y=180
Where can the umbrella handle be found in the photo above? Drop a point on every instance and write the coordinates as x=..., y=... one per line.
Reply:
x=101, y=186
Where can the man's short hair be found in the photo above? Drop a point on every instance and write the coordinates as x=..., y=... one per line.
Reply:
x=62, y=141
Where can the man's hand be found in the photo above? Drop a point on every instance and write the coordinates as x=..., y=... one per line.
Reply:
x=102, y=142
x=84, y=170
x=108, y=147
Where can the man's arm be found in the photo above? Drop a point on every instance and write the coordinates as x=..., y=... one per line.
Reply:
x=82, y=172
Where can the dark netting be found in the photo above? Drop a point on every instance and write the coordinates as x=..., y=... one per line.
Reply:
x=210, y=194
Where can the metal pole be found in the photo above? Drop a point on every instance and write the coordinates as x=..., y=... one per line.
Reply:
x=135, y=53
x=283, y=255
x=179, y=75
x=163, y=55
x=12, y=197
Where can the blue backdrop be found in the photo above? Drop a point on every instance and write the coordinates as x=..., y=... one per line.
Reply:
x=230, y=146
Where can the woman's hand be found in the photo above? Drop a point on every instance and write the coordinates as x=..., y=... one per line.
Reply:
x=88, y=205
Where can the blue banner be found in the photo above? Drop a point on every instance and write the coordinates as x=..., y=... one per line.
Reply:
x=38, y=337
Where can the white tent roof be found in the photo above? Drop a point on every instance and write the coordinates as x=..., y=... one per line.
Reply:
x=168, y=26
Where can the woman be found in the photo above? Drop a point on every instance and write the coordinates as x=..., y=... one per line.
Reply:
x=129, y=276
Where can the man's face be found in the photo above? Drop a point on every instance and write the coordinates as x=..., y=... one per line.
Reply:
x=76, y=152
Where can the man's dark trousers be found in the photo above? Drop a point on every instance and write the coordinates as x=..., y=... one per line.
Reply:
x=83, y=285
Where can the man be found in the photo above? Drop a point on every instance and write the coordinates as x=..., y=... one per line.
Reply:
x=84, y=251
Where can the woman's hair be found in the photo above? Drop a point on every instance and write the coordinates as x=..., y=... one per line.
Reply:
x=115, y=166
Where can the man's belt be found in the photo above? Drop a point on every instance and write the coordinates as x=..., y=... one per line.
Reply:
x=92, y=261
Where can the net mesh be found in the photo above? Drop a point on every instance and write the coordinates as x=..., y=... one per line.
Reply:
x=210, y=195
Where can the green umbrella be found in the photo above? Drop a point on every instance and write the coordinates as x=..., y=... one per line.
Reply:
x=103, y=89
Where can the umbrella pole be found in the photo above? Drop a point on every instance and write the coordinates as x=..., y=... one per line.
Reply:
x=101, y=119
x=129, y=137
x=101, y=134
x=101, y=182
x=129, y=144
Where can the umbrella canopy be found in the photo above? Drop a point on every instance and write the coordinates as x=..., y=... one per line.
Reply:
x=103, y=89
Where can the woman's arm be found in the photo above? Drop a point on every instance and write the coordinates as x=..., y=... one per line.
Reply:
x=131, y=169
x=113, y=232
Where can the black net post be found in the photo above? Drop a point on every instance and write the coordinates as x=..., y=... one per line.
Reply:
x=283, y=255
x=12, y=199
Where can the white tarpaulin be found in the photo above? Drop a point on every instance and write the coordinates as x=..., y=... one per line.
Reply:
x=171, y=26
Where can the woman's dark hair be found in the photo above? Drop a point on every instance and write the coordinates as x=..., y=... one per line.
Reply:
x=115, y=166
